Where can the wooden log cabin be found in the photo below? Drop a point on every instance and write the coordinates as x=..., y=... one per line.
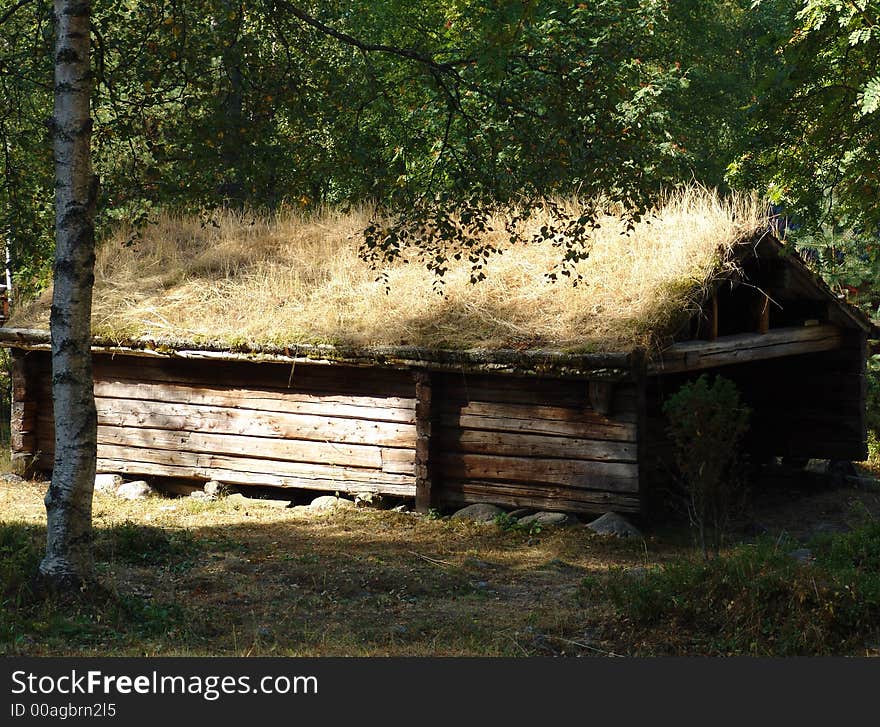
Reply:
x=536, y=428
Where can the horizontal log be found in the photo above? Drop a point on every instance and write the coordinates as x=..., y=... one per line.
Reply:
x=511, y=494
x=513, y=390
x=246, y=422
x=575, y=474
x=623, y=432
x=535, y=361
x=291, y=450
x=349, y=407
x=581, y=415
x=274, y=378
x=197, y=460
x=399, y=461
x=743, y=348
x=234, y=477
x=534, y=445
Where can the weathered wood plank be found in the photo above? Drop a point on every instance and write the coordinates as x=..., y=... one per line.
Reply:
x=293, y=450
x=133, y=467
x=623, y=432
x=582, y=415
x=247, y=422
x=367, y=408
x=341, y=380
x=198, y=460
x=513, y=494
x=533, y=445
x=398, y=461
x=576, y=474
x=742, y=348
x=539, y=392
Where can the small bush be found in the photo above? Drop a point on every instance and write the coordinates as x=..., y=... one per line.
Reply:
x=706, y=424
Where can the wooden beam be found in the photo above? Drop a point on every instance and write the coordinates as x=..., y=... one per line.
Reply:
x=424, y=481
x=533, y=362
x=743, y=348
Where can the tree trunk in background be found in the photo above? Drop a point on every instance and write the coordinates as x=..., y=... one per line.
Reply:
x=68, y=560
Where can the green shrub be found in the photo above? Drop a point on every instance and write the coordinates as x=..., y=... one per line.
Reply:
x=707, y=421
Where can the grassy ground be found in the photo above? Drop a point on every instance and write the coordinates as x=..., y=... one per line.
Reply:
x=186, y=577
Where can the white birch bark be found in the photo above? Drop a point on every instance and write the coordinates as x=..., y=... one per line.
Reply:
x=68, y=560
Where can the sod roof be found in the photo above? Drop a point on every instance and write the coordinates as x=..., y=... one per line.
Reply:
x=246, y=282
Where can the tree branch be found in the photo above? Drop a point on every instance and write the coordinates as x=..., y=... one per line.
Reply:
x=408, y=53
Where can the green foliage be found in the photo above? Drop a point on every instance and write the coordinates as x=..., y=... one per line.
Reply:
x=759, y=600
x=706, y=424
x=815, y=120
x=513, y=525
x=437, y=109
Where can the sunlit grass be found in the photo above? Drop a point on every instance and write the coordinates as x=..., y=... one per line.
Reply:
x=296, y=277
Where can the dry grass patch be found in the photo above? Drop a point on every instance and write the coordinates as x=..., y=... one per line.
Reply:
x=222, y=579
x=295, y=278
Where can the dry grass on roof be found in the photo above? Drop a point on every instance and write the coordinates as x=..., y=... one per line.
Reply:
x=296, y=278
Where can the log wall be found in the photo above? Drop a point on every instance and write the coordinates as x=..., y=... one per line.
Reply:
x=314, y=427
x=445, y=439
x=534, y=443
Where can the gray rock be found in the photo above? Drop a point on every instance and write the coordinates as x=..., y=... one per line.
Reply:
x=329, y=502
x=399, y=508
x=214, y=488
x=802, y=555
x=548, y=519
x=480, y=512
x=521, y=512
x=10, y=478
x=199, y=495
x=107, y=484
x=613, y=524
x=137, y=490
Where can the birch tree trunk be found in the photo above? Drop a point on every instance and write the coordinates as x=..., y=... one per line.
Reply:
x=68, y=560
